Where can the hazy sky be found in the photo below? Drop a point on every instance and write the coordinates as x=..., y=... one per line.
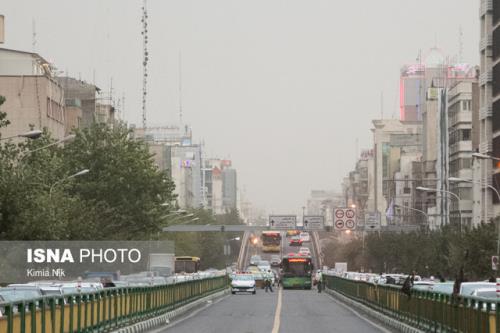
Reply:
x=282, y=87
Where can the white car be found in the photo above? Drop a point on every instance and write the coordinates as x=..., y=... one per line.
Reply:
x=305, y=250
x=243, y=283
x=255, y=259
x=305, y=237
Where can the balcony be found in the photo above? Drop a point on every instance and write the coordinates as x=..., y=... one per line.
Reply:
x=461, y=117
x=485, y=77
x=461, y=146
x=486, y=6
x=486, y=41
x=485, y=147
x=485, y=111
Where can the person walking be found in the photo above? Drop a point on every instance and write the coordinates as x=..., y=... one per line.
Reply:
x=319, y=281
x=268, y=282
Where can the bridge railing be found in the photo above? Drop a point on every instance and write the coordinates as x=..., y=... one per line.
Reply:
x=429, y=311
x=103, y=310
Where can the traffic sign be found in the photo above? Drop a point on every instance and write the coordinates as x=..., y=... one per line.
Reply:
x=282, y=221
x=372, y=221
x=344, y=218
x=313, y=222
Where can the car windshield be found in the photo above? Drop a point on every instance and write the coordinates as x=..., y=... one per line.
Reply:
x=243, y=277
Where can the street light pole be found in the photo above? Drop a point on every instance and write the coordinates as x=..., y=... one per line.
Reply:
x=79, y=173
x=66, y=138
x=416, y=210
x=33, y=134
x=455, y=179
x=427, y=189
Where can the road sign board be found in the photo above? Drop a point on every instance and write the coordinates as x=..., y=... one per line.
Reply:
x=372, y=221
x=344, y=218
x=313, y=222
x=282, y=221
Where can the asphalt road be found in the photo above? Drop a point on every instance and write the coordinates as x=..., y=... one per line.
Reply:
x=301, y=311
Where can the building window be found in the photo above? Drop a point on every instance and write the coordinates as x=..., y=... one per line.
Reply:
x=466, y=134
x=55, y=110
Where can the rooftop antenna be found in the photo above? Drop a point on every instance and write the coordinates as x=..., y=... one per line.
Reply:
x=180, y=87
x=145, y=59
x=33, y=35
x=460, y=44
x=381, y=105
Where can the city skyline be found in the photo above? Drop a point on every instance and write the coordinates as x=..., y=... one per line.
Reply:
x=226, y=99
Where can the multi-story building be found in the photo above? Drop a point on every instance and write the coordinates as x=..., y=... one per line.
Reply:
x=34, y=99
x=174, y=152
x=392, y=139
x=80, y=95
x=489, y=112
x=220, y=185
x=462, y=104
x=230, y=189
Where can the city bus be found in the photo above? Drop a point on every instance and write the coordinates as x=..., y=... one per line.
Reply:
x=271, y=241
x=187, y=264
x=296, y=271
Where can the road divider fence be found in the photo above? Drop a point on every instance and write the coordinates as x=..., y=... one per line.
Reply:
x=426, y=310
x=104, y=310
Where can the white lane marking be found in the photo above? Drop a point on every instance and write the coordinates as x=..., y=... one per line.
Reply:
x=277, y=314
x=382, y=329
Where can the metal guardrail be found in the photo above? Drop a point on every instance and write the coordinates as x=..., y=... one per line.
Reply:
x=104, y=310
x=242, y=256
x=429, y=311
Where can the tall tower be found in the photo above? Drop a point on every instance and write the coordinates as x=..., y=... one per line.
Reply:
x=145, y=60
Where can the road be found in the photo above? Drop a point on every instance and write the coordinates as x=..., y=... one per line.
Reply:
x=299, y=311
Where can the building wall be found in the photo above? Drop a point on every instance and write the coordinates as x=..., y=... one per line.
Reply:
x=485, y=102
x=230, y=190
x=460, y=111
x=383, y=175
x=84, y=92
x=36, y=101
x=15, y=63
x=73, y=118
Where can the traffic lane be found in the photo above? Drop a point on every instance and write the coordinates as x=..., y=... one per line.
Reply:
x=245, y=313
x=310, y=311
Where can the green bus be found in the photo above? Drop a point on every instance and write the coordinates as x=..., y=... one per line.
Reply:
x=296, y=271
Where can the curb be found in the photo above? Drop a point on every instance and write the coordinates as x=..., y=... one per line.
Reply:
x=165, y=318
x=389, y=321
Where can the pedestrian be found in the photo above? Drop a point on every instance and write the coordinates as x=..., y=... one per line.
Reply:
x=408, y=284
x=269, y=281
x=319, y=281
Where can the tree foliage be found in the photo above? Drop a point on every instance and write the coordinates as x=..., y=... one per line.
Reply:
x=441, y=252
x=120, y=198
